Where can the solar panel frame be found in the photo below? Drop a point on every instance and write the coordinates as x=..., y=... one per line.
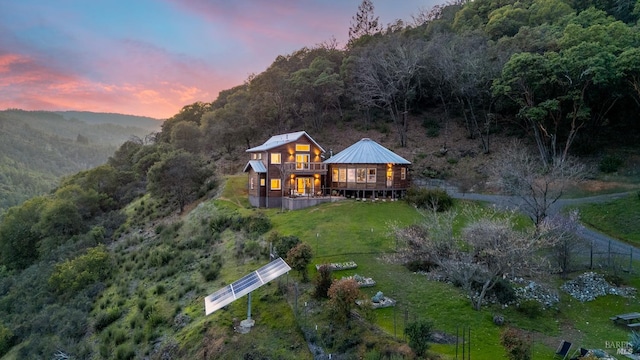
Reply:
x=246, y=284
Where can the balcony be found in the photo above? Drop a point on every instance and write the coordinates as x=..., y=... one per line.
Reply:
x=305, y=167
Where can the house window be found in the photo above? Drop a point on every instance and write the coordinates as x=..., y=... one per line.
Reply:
x=303, y=147
x=276, y=158
x=251, y=183
x=275, y=184
x=361, y=175
x=342, y=175
x=334, y=176
x=403, y=173
x=262, y=182
x=256, y=156
x=351, y=175
x=371, y=177
x=302, y=161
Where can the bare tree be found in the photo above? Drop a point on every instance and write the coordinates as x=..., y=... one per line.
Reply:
x=536, y=185
x=563, y=228
x=387, y=76
x=488, y=250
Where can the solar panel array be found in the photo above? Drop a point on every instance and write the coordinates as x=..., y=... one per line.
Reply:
x=245, y=285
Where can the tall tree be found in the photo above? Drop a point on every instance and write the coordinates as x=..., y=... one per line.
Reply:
x=178, y=177
x=364, y=22
x=387, y=75
x=317, y=91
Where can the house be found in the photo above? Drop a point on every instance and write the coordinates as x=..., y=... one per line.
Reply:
x=286, y=166
x=368, y=169
x=288, y=172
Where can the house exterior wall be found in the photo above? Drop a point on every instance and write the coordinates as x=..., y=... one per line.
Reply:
x=396, y=188
x=287, y=171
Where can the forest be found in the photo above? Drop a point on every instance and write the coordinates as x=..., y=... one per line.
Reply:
x=563, y=76
x=40, y=147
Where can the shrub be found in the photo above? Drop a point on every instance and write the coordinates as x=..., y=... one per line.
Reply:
x=257, y=223
x=7, y=339
x=106, y=318
x=531, y=308
x=282, y=244
x=610, y=164
x=420, y=265
x=518, y=345
x=77, y=273
x=504, y=292
x=419, y=334
x=211, y=269
x=323, y=282
x=429, y=199
x=432, y=126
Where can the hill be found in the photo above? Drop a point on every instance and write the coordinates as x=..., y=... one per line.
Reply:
x=39, y=147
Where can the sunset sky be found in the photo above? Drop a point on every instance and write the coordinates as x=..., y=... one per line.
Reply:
x=152, y=57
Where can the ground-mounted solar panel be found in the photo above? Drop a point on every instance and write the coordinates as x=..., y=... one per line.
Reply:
x=245, y=285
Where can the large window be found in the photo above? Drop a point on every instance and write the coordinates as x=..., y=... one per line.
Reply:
x=276, y=158
x=275, y=184
x=361, y=175
x=303, y=147
x=251, y=183
x=343, y=175
x=334, y=175
x=403, y=173
x=302, y=161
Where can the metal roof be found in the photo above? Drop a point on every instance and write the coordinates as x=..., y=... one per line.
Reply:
x=282, y=139
x=366, y=151
x=245, y=285
x=257, y=165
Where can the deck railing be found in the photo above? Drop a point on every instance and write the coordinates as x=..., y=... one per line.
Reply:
x=305, y=167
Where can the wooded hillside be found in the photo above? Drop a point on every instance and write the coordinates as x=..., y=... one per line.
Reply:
x=40, y=147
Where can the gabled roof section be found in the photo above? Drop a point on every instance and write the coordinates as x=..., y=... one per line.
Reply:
x=257, y=166
x=282, y=139
x=366, y=151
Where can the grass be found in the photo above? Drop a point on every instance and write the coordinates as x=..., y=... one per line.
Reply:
x=337, y=232
x=618, y=218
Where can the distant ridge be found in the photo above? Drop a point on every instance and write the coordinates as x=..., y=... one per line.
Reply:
x=89, y=117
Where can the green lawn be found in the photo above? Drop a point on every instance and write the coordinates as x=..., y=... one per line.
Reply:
x=618, y=218
x=359, y=231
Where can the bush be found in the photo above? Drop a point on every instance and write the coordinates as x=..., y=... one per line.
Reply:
x=610, y=164
x=419, y=334
x=518, y=345
x=106, y=318
x=420, y=265
x=77, y=273
x=210, y=270
x=504, y=292
x=429, y=199
x=531, y=308
x=323, y=282
x=432, y=126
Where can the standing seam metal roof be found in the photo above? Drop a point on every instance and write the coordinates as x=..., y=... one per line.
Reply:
x=366, y=151
x=282, y=139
